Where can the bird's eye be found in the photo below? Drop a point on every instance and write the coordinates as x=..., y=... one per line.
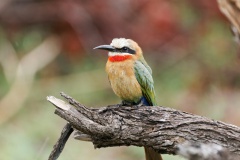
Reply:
x=124, y=48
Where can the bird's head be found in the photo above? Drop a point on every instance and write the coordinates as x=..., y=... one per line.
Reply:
x=122, y=49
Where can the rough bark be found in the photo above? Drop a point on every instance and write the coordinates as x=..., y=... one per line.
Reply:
x=58, y=147
x=161, y=128
x=205, y=152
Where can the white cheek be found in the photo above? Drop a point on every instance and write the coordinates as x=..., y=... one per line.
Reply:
x=110, y=54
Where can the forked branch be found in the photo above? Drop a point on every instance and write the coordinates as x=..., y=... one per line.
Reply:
x=158, y=127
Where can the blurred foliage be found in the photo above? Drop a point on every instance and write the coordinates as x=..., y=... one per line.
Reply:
x=187, y=43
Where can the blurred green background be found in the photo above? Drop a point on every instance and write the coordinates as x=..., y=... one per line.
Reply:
x=46, y=48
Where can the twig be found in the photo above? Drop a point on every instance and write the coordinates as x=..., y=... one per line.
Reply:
x=58, y=147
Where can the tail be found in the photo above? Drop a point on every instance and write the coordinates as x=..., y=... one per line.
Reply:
x=150, y=154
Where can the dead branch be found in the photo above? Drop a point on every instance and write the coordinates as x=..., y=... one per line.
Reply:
x=58, y=147
x=158, y=127
x=193, y=151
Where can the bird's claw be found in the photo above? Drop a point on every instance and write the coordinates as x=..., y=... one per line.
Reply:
x=110, y=107
x=124, y=103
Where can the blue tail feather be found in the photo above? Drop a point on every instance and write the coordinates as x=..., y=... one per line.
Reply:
x=144, y=101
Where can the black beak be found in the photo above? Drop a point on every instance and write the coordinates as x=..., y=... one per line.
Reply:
x=105, y=47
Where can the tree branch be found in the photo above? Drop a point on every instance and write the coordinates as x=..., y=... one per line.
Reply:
x=158, y=127
x=198, y=151
x=58, y=147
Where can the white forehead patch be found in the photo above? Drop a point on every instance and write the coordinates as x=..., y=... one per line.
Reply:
x=121, y=42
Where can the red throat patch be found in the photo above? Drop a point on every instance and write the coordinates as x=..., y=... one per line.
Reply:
x=119, y=58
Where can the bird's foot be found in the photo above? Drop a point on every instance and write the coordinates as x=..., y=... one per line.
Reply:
x=142, y=102
x=109, y=107
x=126, y=103
x=138, y=105
x=132, y=104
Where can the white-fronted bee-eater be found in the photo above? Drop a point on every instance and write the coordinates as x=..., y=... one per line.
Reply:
x=130, y=77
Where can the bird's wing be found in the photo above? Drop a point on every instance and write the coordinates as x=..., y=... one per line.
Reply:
x=144, y=77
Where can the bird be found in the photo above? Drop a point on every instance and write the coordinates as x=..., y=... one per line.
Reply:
x=130, y=78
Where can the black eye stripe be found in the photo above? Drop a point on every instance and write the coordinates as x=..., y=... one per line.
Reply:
x=125, y=50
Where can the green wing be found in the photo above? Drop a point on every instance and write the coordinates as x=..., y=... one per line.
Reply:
x=143, y=75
